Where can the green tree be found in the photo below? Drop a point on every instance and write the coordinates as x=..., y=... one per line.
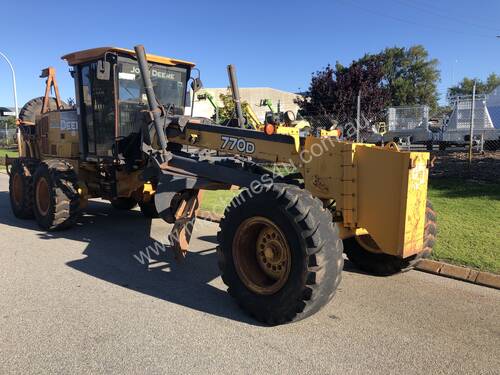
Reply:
x=466, y=85
x=227, y=110
x=492, y=82
x=9, y=121
x=333, y=91
x=396, y=76
x=364, y=76
x=411, y=76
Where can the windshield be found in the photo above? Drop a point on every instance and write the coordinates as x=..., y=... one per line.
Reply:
x=169, y=84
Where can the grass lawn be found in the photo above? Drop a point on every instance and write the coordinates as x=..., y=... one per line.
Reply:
x=9, y=153
x=468, y=220
x=217, y=201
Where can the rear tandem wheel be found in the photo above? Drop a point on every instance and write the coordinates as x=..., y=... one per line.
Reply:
x=365, y=254
x=21, y=188
x=56, y=199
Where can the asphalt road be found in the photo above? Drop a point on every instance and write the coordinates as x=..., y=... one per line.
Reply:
x=78, y=301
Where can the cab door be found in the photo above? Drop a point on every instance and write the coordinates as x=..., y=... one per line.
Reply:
x=97, y=104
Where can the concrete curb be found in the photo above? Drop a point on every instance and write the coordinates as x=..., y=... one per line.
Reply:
x=460, y=273
x=426, y=265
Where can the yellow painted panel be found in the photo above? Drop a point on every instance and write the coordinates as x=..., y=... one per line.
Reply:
x=79, y=57
x=260, y=148
x=58, y=134
x=322, y=160
x=392, y=187
x=414, y=223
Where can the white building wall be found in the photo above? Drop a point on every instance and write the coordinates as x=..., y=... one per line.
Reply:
x=494, y=97
x=493, y=104
x=253, y=96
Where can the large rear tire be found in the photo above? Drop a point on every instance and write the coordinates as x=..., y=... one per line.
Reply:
x=362, y=250
x=21, y=188
x=34, y=107
x=279, y=253
x=56, y=198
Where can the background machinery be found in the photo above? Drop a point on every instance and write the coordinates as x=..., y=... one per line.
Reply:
x=281, y=240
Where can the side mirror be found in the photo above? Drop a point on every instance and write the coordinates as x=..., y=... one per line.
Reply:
x=103, y=70
x=196, y=84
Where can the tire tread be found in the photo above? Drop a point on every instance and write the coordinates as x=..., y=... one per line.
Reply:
x=321, y=247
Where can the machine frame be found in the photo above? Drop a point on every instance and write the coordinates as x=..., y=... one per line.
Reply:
x=370, y=199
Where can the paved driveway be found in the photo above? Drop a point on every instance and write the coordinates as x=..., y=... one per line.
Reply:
x=78, y=301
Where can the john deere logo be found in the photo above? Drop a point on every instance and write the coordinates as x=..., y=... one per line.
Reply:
x=156, y=73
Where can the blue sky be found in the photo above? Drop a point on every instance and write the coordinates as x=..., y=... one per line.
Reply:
x=272, y=43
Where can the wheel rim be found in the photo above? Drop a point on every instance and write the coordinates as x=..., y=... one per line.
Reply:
x=42, y=196
x=366, y=242
x=17, y=189
x=262, y=256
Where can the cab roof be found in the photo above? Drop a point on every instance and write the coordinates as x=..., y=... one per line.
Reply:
x=79, y=57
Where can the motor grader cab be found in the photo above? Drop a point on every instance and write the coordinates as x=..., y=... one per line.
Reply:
x=112, y=101
x=281, y=240
x=100, y=137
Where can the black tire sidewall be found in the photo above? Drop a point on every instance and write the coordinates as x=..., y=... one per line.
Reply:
x=44, y=221
x=34, y=107
x=293, y=287
x=25, y=210
x=381, y=264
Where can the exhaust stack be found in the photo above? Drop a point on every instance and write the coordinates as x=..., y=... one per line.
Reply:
x=231, y=71
x=154, y=108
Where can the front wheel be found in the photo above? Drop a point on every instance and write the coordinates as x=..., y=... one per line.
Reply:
x=366, y=255
x=279, y=253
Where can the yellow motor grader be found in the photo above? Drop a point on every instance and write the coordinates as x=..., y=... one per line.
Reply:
x=281, y=240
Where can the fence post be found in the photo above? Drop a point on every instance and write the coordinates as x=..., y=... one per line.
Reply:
x=471, y=130
x=358, y=116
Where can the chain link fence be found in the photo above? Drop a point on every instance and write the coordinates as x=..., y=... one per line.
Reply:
x=8, y=144
x=7, y=137
x=412, y=128
x=447, y=138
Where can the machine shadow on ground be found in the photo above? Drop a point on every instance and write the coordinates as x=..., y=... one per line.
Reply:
x=113, y=237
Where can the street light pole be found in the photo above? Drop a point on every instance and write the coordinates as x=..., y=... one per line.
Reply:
x=16, y=108
x=13, y=83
